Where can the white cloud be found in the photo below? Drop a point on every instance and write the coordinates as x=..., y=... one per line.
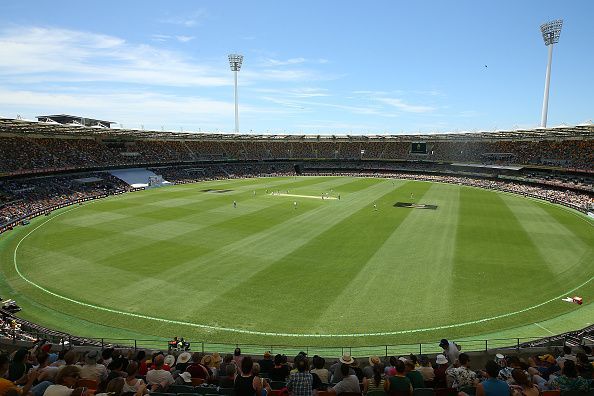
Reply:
x=403, y=106
x=184, y=39
x=188, y=21
x=292, y=61
x=42, y=55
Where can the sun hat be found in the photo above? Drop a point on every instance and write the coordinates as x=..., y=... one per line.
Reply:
x=206, y=360
x=267, y=355
x=187, y=377
x=548, y=358
x=346, y=359
x=184, y=357
x=92, y=356
x=500, y=359
x=441, y=359
x=373, y=360
x=216, y=358
x=169, y=360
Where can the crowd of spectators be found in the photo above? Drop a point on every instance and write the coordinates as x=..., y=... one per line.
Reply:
x=22, y=197
x=41, y=371
x=577, y=200
x=29, y=154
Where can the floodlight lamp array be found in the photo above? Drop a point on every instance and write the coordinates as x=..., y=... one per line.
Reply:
x=235, y=61
x=551, y=31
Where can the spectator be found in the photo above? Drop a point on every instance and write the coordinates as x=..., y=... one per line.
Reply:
x=281, y=370
x=569, y=380
x=460, y=375
x=348, y=383
x=17, y=371
x=583, y=365
x=246, y=383
x=228, y=380
x=376, y=382
x=398, y=383
x=320, y=370
x=133, y=383
x=337, y=375
x=158, y=378
x=492, y=386
x=425, y=369
x=266, y=363
x=415, y=377
x=65, y=382
x=91, y=369
x=522, y=384
x=368, y=370
x=441, y=366
x=196, y=369
x=301, y=382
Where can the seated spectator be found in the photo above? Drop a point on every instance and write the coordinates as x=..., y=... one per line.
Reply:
x=337, y=375
x=569, y=380
x=492, y=386
x=398, y=382
x=301, y=382
x=415, y=377
x=228, y=380
x=65, y=382
x=368, y=370
x=425, y=369
x=348, y=383
x=133, y=383
x=158, y=378
x=248, y=384
x=17, y=370
x=583, y=366
x=390, y=370
x=266, y=363
x=196, y=369
x=441, y=366
x=376, y=382
x=5, y=384
x=281, y=370
x=182, y=362
x=320, y=370
x=93, y=370
x=523, y=386
x=460, y=375
x=567, y=355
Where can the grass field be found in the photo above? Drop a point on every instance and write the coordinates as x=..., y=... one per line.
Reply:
x=181, y=261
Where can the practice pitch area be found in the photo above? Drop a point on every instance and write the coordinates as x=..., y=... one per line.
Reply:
x=284, y=268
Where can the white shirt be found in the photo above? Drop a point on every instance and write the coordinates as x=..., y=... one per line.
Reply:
x=57, y=390
x=97, y=372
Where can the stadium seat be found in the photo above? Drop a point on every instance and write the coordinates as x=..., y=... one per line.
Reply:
x=204, y=390
x=551, y=393
x=162, y=394
x=576, y=393
x=376, y=393
x=278, y=384
x=182, y=389
x=469, y=390
x=325, y=393
x=350, y=394
x=423, y=392
x=227, y=391
x=87, y=383
x=446, y=392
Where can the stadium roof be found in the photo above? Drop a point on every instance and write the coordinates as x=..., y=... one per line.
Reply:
x=23, y=127
x=76, y=121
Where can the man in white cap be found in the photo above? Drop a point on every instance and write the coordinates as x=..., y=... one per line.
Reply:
x=450, y=349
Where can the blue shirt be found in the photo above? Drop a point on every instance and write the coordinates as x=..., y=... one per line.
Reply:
x=495, y=387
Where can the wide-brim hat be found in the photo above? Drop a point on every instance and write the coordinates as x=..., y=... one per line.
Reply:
x=373, y=360
x=187, y=377
x=346, y=359
x=184, y=357
x=441, y=359
x=169, y=360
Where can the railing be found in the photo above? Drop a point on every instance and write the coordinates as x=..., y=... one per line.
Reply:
x=583, y=336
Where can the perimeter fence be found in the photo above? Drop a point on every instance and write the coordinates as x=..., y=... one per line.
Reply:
x=584, y=336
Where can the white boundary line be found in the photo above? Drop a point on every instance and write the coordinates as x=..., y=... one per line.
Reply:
x=265, y=333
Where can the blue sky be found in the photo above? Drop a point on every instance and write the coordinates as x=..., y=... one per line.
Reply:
x=365, y=67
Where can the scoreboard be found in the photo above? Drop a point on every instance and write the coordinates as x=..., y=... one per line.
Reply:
x=418, y=148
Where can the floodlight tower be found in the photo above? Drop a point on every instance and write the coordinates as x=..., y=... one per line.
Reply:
x=235, y=61
x=550, y=34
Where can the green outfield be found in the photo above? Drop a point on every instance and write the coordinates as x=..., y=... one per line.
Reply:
x=184, y=261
